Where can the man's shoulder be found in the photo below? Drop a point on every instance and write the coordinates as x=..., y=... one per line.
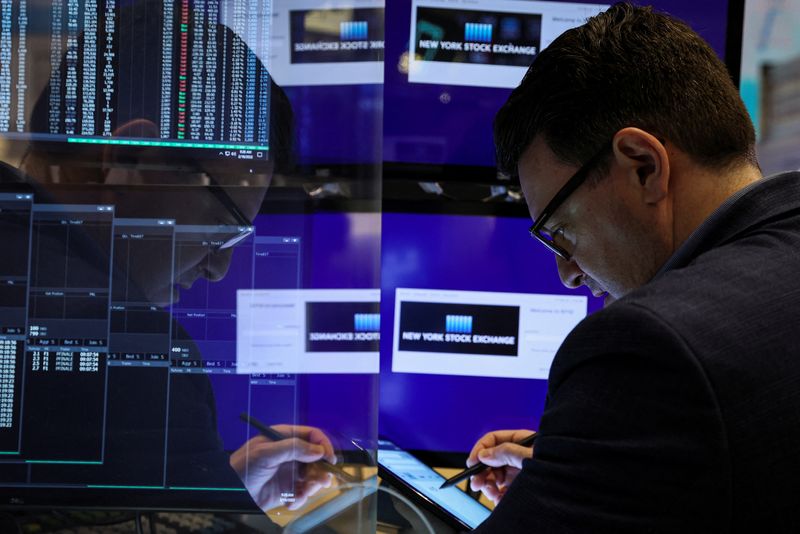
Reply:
x=627, y=331
x=633, y=324
x=748, y=275
x=730, y=305
x=739, y=290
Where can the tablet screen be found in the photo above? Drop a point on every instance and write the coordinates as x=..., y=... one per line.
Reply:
x=427, y=481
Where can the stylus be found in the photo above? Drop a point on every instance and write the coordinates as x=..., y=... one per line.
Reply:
x=477, y=468
x=274, y=435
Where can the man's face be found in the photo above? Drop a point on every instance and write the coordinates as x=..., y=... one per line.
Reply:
x=192, y=204
x=200, y=262
x=615, y=242
x=188, y=204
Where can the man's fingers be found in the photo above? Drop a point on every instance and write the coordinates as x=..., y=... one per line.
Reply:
x=297, y=502
x=286, y=450
x=315, y=473
x=309, y=487
x=491, y=492
x=500, y=477
x=492, y=439
x=505, y=454
x=476, y=482
x=318, y=437
x=311, y=434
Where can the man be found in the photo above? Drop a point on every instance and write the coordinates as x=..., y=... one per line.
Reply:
x=677, y=407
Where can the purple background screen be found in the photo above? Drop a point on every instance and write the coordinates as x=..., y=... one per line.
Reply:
x=457, y=128
x=339, y=251
x=337, y=124
x=463, y=252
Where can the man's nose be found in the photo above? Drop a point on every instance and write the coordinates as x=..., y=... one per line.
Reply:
x=571, y=275
x=217, y=264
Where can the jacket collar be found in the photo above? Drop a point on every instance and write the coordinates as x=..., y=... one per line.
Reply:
x=746, y=209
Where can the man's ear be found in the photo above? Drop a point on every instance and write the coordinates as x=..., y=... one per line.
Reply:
x=119, y=170
x=644, y=161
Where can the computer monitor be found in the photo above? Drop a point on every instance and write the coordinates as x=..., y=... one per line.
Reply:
x=770, y=69
x=451, y=65
x=472, y=312
x=328, y=57
x=83, y=77
x=145, y=228
x=123, y=343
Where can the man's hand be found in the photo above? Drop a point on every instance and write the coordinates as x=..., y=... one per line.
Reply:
x=498, y=450
x=283, y=472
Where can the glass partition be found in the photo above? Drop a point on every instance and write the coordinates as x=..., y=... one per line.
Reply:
x=189, y=194
x=190, y=294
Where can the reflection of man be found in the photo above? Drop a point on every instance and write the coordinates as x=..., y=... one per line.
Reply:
x=132, y=181
x=270, y=472
x=676, y=408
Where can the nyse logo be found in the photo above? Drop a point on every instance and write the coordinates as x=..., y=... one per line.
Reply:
x=458, y=324
x=367, y=322
x=478, y=33
x=353, y=31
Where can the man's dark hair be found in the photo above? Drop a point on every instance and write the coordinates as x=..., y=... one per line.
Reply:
x=628, y=66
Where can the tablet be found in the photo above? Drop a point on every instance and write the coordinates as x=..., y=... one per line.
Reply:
x=421, y=484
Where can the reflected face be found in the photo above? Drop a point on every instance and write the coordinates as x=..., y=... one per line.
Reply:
x=191, y=202
x=199, y=263
x=598, y=225
x=209, y=262
x=190, y=205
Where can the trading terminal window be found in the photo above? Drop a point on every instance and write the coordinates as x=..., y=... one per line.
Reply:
x=15, y=232
x=214, y=92
x=68, y=327
x=90, y=301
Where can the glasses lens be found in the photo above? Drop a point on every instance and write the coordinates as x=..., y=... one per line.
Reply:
x=549, y=235
x=552, y=239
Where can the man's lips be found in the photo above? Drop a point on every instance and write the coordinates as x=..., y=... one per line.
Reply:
x=187, y=279
x=596, y=290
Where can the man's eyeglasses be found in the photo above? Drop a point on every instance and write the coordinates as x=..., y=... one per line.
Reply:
x=547, y=236
x=245, y=226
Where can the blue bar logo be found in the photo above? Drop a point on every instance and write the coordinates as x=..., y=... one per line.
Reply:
x=367, y=322
x=353, y=31
x=478, y=33
x=458, y=324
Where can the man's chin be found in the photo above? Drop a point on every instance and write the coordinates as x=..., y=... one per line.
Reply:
x=163, y=297
x=176, y=294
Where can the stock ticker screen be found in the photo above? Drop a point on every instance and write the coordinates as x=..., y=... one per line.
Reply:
x=194, y=81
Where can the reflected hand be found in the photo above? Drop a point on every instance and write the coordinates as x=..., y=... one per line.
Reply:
x=282, y=472
x=498, y=450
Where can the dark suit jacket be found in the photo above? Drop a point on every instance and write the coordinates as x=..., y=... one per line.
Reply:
x=677, y=408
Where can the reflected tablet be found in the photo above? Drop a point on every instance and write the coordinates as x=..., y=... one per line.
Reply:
x=421, y=483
